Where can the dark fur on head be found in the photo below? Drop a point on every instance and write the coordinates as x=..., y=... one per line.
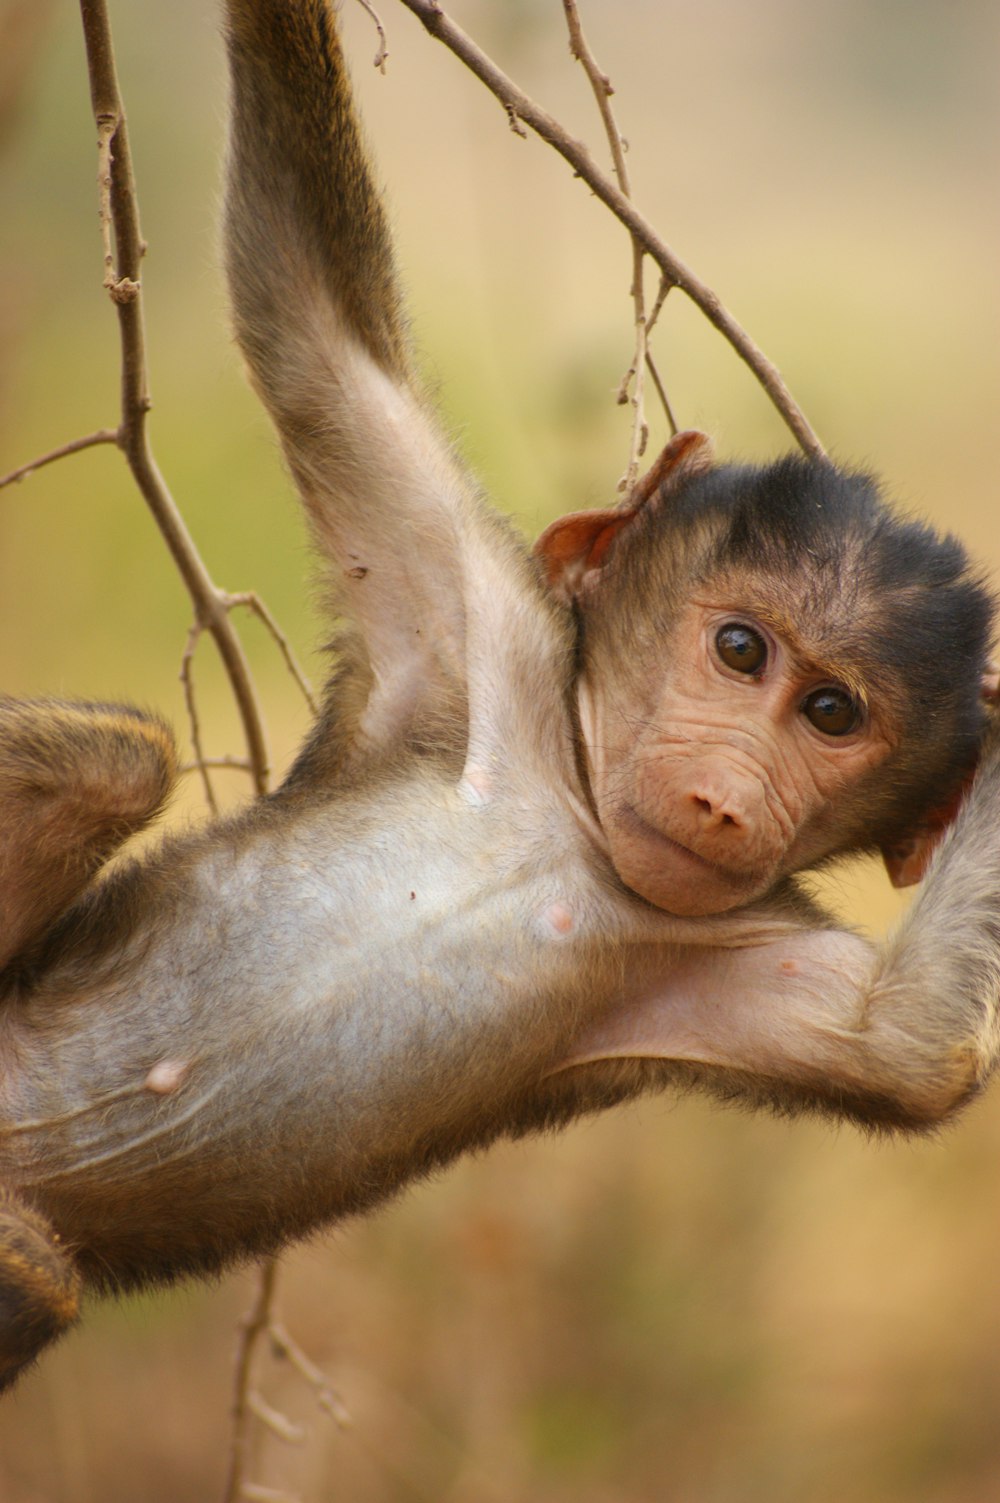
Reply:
x=895, y=602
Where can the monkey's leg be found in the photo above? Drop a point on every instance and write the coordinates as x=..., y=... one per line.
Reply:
x=39, y=1287
x=75, y=782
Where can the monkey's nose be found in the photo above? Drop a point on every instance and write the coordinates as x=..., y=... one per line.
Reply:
x=711, y=815
x=722, y=805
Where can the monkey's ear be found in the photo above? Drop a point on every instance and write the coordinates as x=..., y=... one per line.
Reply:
x=573, y=548
x=907, y=861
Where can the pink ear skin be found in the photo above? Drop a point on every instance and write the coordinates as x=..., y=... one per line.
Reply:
x=574, y=547
x=907, y=862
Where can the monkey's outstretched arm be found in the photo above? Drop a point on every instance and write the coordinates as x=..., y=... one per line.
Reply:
x=903, y=1036
x=416, y=561
x=317, y=313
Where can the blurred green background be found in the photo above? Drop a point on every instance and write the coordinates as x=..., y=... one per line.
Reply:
x=672, y=1303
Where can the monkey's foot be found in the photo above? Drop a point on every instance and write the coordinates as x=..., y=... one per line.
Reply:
x=39, y=1287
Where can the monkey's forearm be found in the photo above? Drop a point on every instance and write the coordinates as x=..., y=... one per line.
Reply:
x=796, y=1024
x=303, y=217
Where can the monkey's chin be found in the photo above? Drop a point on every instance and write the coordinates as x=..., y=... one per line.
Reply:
x=672, y=877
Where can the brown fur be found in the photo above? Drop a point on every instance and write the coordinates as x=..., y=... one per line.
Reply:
x=74, y=784
x=436, y=932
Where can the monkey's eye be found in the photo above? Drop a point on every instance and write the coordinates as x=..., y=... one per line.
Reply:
x=832, y=711
x=741, y=648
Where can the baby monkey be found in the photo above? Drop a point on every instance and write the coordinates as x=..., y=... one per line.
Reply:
x=538, y=853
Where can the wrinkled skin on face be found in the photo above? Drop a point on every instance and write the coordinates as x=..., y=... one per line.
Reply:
x=725, y=780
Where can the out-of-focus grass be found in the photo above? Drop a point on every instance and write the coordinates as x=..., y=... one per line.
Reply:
x=672, y=1302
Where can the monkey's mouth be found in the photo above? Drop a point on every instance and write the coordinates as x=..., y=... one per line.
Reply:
x=736, y=877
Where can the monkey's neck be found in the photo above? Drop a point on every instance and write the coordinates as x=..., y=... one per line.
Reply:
x=584, y=807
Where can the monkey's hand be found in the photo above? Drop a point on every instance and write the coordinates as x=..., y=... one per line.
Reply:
x=907, y=863
x=39, y=1287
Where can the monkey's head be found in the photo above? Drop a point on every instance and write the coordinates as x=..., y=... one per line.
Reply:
x=775, y=670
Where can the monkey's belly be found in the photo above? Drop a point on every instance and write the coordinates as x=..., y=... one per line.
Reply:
x=324, y=1016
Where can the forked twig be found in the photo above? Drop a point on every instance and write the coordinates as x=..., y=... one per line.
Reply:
x=252, y=1327
x=600, y=83
x=327, y=1398
x=123, y=252
x=258, y=1325
x=673, y=269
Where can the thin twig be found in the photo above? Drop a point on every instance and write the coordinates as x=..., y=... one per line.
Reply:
x=253, y=603
x=121, y=289
x=216, y=764
x=186, y=676
x=661, y=392
x=661, y=297
x=277, y=1423
x=382, y=54
x=602, y=90
x=102, y=436
x=253, y=1327
x=326, y=1397
x=260, y=1324
x=651, y=366
x=517, y=103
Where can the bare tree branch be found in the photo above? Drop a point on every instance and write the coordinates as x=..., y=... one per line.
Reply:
x=122, y=278
x=220, y=764
x=260, y=1324
x=123, y=251
x=255, y=1324
x=520, y=107
x=326, y=1397
x=600, y=83
x=75, y=446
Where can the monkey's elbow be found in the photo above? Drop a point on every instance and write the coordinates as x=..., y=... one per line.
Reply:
x=926, y=1099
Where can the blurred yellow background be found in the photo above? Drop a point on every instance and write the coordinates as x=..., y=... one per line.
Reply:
x=673, y=1304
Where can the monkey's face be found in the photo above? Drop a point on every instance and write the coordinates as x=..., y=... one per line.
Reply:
x=747, y=760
